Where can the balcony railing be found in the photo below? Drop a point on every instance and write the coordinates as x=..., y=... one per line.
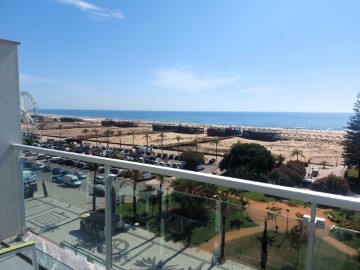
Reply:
x=174, y=230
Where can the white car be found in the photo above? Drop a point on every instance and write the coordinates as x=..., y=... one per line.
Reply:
x=99, y=179
x=80, y=175
x=38, y=166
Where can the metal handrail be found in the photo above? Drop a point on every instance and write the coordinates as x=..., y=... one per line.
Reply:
x=339, y=201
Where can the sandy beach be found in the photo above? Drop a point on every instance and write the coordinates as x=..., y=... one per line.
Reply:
x=317, y=145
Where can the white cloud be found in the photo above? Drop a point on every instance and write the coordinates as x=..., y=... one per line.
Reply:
x=96, y=12
x=261, y=90
x=186, y=80
x=32, y=79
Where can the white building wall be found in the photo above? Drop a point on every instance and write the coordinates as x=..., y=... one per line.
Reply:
x=10, y=132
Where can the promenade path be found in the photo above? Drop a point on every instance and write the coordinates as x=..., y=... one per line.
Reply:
x=133, y=248
x=258, y=212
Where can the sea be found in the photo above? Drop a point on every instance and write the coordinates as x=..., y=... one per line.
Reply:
x=293, y=120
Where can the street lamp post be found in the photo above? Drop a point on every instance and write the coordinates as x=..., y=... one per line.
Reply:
x=287, y=222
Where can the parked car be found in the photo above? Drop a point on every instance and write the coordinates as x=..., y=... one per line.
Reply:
x=38, y=166
x=176, y=157
x=47, y=168
x=28, y=164
x=57, y=171
x=174, y=165
x=99, y=179
x=42, y=156
x=211, y=161
x=158, y=155
x=65, y=172
x=199, y=168
x=99, y=190
x=80, y=175
x=29, y=177
x=71, y=180
x=171, y=156
x=58, y=179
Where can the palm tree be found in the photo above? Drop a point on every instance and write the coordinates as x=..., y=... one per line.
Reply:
x=192, y=203
x=162, y=136
x=147, y=137
x=297, y=152
x=60, y=127
x=136, y=177
x=119, y=134
x=85, y=131
x=195, y=143
x=216, y=142
x=178, y=138
x=96, y=132
x=108, y=133
x=132, y=133
x=162, y=179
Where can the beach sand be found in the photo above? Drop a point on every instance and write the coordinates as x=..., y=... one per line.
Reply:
x=317, y=145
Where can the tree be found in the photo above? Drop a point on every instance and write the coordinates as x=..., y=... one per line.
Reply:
x=85, y=131
x=136, y=177
x=264, y=246
x=298, y=236
x=60, y=127
x=195, y=143
x=279, y=160
x=118, y=135
x=190, y=195
x=331, y=184
x=178, y=138
x=216, y=142
x=247, y=160
x=162, y=136
x=290, y=174
x=108, y=133
x=297, y=152
x=96, y=132
x=192, y=159
x=147, y=137
x=351, y=143
x=132, y=133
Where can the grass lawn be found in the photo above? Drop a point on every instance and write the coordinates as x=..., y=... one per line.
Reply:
x=202, y=231
x=259, y=197
x=349, y=238
x=248, y=251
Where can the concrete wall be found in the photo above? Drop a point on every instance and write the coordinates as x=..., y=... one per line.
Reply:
x=10, y=132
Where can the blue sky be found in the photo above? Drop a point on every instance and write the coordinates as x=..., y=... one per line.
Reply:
x=203, y=55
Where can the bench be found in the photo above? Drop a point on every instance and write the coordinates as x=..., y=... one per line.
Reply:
x=331, y=217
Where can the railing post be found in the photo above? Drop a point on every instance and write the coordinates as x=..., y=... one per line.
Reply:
x=21, y=190
x=108, y=218
x=311, y=237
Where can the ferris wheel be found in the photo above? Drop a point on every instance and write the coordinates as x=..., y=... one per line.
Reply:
x=28, y=113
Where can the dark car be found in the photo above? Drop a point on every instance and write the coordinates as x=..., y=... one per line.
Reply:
x=171, y=156
x=69, y=162
x=176, y=157
x=57, y=171
x=158, y=155
x=28, y=164
x=65, y=172
x=211, y=161
x=47, y=168
x=57, y=179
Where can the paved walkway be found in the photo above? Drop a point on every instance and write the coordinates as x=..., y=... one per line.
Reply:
x=134, y=248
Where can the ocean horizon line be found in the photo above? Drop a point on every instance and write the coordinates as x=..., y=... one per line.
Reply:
x=311, y=121
x=196, y=111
